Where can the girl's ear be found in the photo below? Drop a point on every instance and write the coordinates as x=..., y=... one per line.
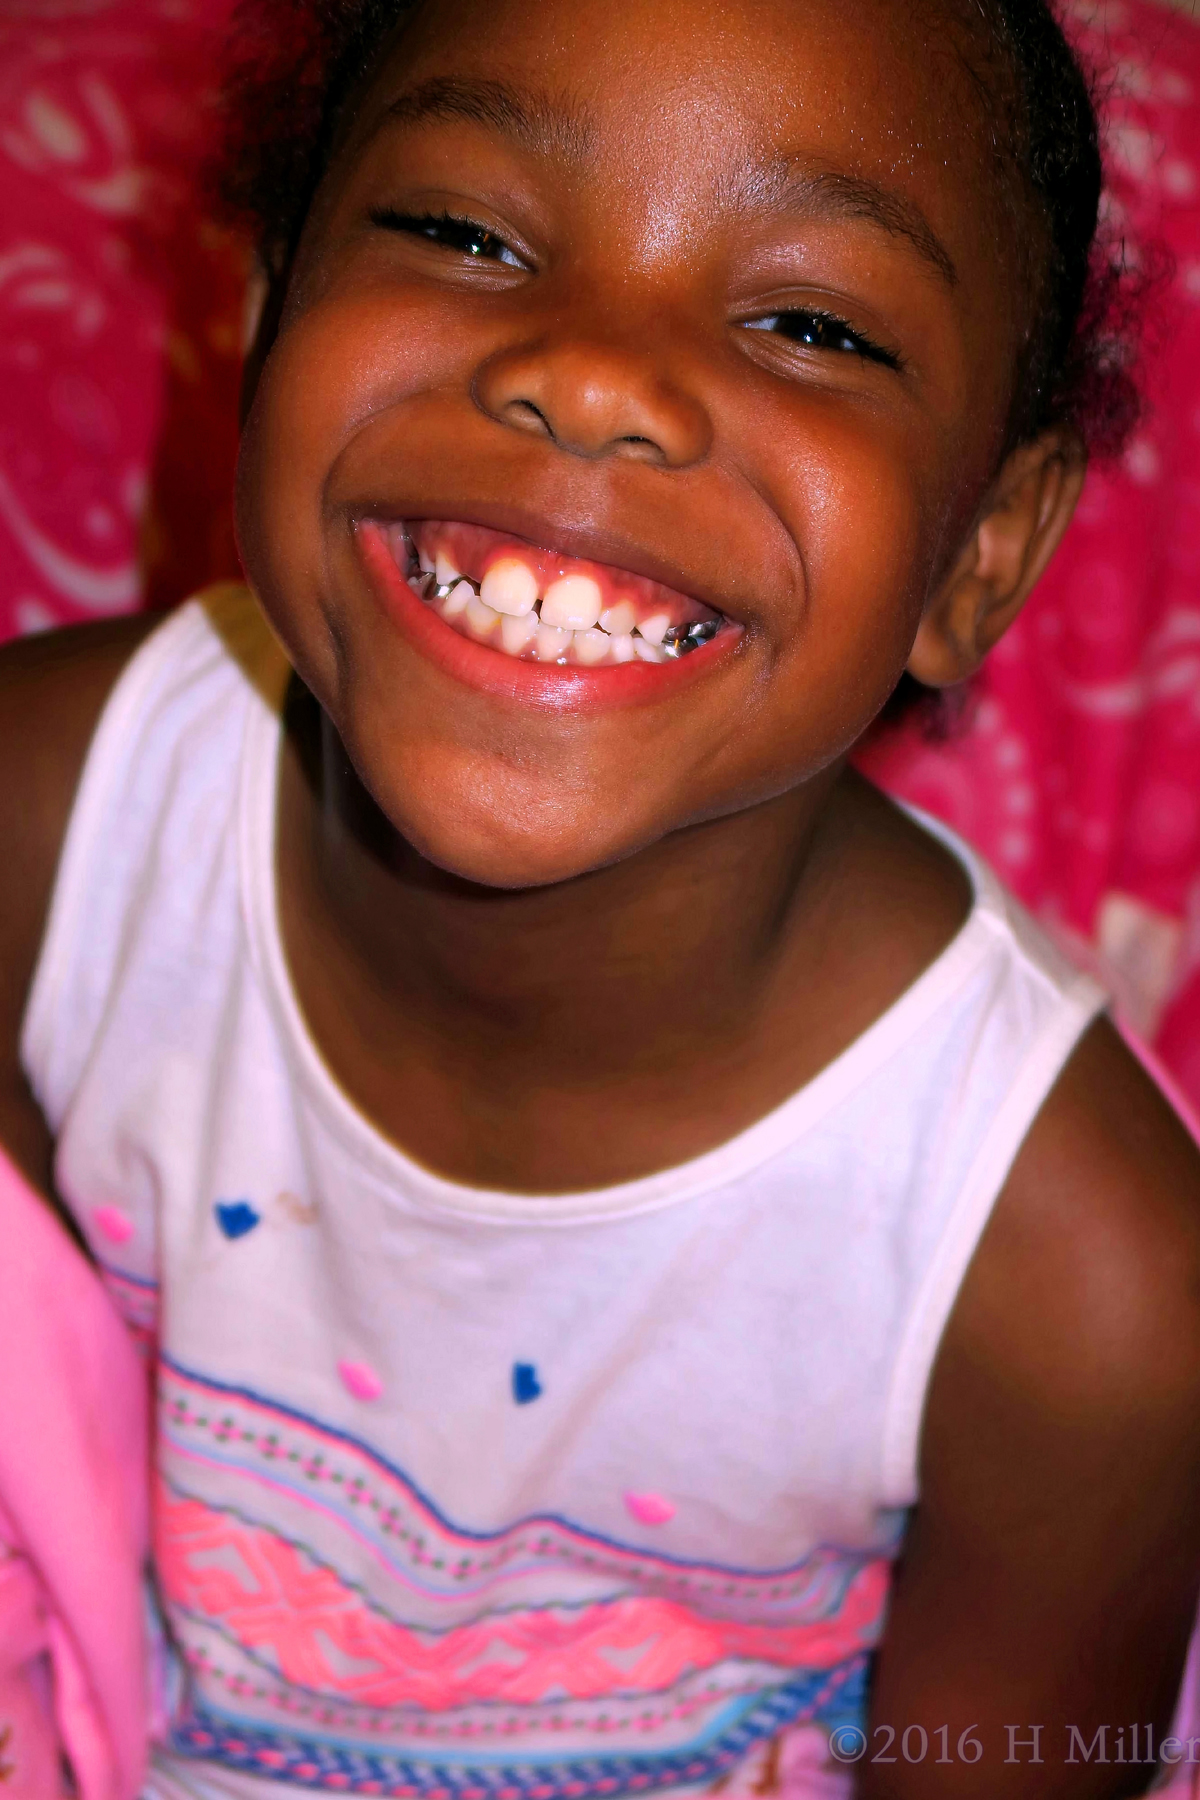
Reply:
x=261, y=307
x=1028, y=507
x=254, y=301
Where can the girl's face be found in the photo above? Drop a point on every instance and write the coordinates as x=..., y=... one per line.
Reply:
x=694, y=313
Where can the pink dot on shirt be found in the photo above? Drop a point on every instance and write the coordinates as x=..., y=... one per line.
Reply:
x=360, y=1379
x=113, y=1224
x=649, y=1509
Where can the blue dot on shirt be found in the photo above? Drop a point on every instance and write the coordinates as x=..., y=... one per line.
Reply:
x=235, y=1217
x=525, y=1383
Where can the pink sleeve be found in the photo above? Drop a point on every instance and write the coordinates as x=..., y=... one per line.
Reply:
x=30, y=1763
x=73, y=1527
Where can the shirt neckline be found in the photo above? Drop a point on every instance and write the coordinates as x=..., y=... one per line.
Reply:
x=739, y=1155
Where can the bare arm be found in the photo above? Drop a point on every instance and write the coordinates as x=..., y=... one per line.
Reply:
x=1051, y=1574
x=52, y=691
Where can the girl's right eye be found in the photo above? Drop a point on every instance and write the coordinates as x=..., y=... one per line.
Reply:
x=464, y=236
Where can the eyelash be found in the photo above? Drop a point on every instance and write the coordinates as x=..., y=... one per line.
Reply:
x=466, y=236
x=824, y=331
x=820, y=330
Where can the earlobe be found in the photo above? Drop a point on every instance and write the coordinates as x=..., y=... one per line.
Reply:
x=1024, y=516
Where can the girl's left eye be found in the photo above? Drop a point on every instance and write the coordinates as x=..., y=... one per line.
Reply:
x=823, y=331
x=465, y=236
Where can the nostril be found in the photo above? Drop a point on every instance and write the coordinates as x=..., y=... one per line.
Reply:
x=528, y=417
x=641, y=449
x=593, y=401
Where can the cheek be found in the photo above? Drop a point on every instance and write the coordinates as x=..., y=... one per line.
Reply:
x=334, y=367
x=853, y=497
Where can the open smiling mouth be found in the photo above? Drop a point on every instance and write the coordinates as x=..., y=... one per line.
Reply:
x=542, y=607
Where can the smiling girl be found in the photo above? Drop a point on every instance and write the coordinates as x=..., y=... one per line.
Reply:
x=660, y=1280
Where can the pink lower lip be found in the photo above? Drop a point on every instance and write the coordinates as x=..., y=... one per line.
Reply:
x=550, y=686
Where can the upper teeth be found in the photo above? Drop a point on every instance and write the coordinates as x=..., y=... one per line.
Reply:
x=655, y=628
x=511, y=587
x=569, y=613
x=573, y=603
x=619, y=620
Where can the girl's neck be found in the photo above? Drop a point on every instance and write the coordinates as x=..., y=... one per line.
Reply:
x=582, y=1033
x=675, y=940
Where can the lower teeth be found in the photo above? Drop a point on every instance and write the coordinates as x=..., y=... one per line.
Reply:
x=678, y=640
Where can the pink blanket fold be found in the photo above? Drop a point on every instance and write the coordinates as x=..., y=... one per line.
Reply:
x=73, y=1519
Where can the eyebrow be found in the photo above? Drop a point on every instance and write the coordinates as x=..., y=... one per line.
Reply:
x=555, y=128
x=829, y=194
x=547, y=126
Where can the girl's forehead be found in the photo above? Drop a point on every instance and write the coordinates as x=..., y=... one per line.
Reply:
x=876, y=80
x=723, y=97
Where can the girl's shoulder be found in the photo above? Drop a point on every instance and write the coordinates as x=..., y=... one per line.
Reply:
x=1054, y=1552
x=1085, y=1293
x=144, y=770
x=53, y=689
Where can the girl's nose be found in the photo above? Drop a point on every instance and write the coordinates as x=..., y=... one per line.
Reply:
x=594, y=400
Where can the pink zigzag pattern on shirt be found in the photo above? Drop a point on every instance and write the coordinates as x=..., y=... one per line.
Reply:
x=270, y=1596
x=283, y=1453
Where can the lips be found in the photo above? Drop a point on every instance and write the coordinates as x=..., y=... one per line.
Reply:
x=536, y=605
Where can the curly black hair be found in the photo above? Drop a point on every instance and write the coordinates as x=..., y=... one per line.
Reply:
x=294, y=64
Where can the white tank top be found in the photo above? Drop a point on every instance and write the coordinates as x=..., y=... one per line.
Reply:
x=468, y=1495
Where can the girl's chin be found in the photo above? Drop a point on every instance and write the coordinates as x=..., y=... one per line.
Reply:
x=496, y=830
x=495, y=861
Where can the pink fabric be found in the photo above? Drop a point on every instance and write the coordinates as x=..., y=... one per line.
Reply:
x=119, y=311
x=73, y=1519
x=1183, y=1783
